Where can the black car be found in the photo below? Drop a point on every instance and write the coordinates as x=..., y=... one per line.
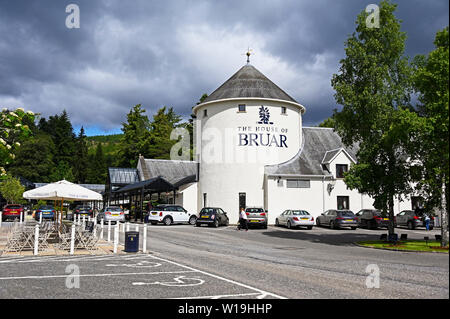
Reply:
x=212, y=216
x=82, y=210
x=372, y=219
x=411, y=219
x=337, y=219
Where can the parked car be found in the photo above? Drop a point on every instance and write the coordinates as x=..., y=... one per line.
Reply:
x=256, y=216
x=171, y=214
x=12, y=211
x=82, y=210
x=47, y=211
x=337, y=219
x=112, y=213
x=410, y=219
x=372, y=219
x=212, y=216
x=295, y=218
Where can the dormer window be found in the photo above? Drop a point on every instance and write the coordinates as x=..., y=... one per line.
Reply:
x=340, y=170
x=283, y=110
x=241, y=108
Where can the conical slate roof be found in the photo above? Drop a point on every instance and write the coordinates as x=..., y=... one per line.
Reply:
x=248, y=82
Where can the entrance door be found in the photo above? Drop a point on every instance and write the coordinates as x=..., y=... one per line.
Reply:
x=343, y=202
x=242, y=201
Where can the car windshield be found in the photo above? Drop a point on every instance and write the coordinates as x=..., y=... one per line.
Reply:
x=299, y=212
x=13, y=207
x=113, y=209
x=207, y=211
x=254, y=210
x=346, y=213
x=46, y=207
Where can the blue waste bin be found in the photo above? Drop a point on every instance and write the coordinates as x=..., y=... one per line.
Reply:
x=131, y=241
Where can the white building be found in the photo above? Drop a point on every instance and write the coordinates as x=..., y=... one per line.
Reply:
x=252, y=150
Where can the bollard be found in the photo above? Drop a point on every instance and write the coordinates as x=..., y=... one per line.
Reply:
x=109, y=230
x=128, y=226
x=144, y=242
x=101, y=231
x=116, y=238
x=36, y=239
x=72, y=240
x=84, y=221
x=1, y=218
x=40, y=218
x=21, y=217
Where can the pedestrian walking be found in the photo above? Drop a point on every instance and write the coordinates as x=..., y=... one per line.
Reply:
x=427, y=222
x=242, y=220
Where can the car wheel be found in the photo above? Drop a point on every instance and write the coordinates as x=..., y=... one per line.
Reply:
x=216, y=223
x=332, y=225
x=309, y=227
x=192, y=220
x=410, y=225
x=227, y=222
x=167, y=221
x=353, y=228
x=288, y=225
x=153, y=223
x=277, y=223
x=318, y=222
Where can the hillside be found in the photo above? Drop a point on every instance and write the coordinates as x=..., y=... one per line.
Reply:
x=109, y=143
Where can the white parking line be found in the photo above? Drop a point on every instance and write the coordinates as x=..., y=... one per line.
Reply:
x=220, y=296
x=100, y=275
x=262, y=292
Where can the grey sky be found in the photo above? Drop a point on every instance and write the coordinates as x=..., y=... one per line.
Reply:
x=171, y=52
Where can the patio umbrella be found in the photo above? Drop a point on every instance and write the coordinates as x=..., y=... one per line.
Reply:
x=61, y=191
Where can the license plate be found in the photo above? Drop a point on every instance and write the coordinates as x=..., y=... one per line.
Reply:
x=254, y=221
x=385, y=218
x=83, y=214
x=13, y=212
x=154, y=213
x=304, y=218
x=205, y=216
x=115, y=214
x=349, y=220
x=46, y=213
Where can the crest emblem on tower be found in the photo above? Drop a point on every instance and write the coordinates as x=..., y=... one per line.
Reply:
x=264, y=115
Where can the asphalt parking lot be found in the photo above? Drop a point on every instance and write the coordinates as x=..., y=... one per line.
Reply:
x=201, y=262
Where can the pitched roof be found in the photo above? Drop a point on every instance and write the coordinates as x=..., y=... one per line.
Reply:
x=175, y=172
x=248, y=82
x=318, y=144
x=119, y=175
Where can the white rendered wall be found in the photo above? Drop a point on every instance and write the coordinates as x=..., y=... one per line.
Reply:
x=187, y=197
x=227, y=169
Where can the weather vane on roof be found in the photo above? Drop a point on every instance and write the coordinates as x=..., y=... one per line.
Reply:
x=248, y=53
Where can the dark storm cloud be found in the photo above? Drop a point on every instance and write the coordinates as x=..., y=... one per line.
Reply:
x=171, y=52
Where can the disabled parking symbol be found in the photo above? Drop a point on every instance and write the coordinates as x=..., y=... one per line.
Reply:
x=180, y=281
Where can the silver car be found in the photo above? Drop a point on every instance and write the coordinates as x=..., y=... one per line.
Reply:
x=112, y=213
x=295, y=218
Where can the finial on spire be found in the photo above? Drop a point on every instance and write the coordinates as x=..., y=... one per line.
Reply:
x=248, y=53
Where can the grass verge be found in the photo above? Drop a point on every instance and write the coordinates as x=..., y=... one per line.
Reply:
x=409, y=245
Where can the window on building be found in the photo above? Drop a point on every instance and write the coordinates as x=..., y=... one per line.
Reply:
x=343, y=202
x=241, y=107
x=242, y=200
x=298, y=183
x=204, y=200
x=283, y=110
x=340, y=170
x=205, y=112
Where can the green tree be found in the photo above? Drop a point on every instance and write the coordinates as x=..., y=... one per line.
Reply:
x=158, y=143
x=34, y=160
x=431, y=81
x=374, y=86
x=97, y=167
x=63, y=170
x=14, y=130
x=134, y=131
x=60, y=129
x=12, y=190
x=328, y=122
x=80, y=165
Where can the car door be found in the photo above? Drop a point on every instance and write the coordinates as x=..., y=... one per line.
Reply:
x=184, y=215
x=284, y=217
x=400, y=218
x=331, y=216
